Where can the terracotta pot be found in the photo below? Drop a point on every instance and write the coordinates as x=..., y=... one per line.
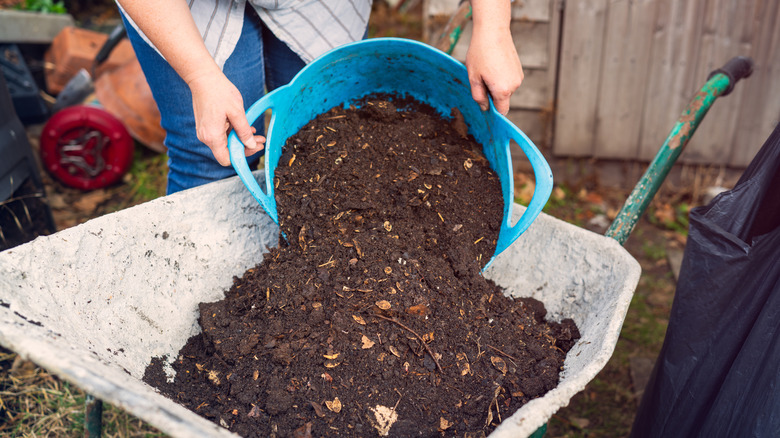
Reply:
x=125, y=93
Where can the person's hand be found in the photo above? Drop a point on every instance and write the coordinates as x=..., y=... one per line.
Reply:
x=219, y=108
x=493, y=65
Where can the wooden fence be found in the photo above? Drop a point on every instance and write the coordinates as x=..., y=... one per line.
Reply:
x=618, y=73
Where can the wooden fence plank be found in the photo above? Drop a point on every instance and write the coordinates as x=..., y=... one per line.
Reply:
x=534, y=93
x=623, y=77
x=556, y=18
x=531, y=10
x=668, y=90
x=531, y=39
x=719, y=43
x=580, y=69
x=760, y=109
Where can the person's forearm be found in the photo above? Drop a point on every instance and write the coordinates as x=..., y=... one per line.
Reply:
x=491, y=16
x=169, y=26
x=492, y=61
x=216, y=102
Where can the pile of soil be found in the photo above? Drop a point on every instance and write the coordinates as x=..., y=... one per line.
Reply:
x=372, y=317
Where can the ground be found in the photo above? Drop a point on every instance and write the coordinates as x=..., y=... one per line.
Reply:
x=34, y=403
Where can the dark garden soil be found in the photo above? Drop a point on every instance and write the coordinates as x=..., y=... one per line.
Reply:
x=373, y=317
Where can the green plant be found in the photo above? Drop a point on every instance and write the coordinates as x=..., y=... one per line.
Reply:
x=654, y=251
x=147, y=176
x=44, y=6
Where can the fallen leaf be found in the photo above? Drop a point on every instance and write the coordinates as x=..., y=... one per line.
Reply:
x=359, y=319
x=582, y=423
x=459, y=123
x=463, y=363
x=303, y=431
x=367, y=343
x=90, y=201
x=419, y=309
x=525, y=192
x=334, y=405
x=594, y=198
x=317, y=409
x=332, y=363
x=499, y=363
x=57, y=201
x=444, y=424
x=254, y=412
x=383, y=419
x=383, y=304
x=302, y=238
x=665, y=214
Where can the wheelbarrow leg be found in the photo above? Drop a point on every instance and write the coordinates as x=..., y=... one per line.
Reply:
x=94, y=417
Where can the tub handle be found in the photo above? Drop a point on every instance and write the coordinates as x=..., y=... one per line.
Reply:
x=544, y=182
x=272, y=100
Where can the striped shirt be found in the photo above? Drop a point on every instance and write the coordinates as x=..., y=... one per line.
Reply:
x=309, y=27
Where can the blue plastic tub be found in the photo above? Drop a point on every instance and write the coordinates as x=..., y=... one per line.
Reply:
x=401, y=67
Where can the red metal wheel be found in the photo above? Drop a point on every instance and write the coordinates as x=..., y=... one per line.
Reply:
x=86, y=147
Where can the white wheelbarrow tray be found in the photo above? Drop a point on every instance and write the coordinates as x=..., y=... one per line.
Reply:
x=95, y=303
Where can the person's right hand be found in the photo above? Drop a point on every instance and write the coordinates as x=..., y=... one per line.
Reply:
x=219, y=108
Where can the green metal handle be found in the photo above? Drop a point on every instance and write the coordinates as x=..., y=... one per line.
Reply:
x=452, y=31
x=654, y=176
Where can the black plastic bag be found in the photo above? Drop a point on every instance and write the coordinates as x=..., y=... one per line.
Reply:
x=718, y=372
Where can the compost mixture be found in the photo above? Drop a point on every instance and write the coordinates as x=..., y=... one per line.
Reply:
x=372, y=317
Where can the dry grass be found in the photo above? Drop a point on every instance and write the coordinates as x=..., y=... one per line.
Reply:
x=34, y=403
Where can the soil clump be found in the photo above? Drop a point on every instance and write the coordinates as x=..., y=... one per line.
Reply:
x=372, y=317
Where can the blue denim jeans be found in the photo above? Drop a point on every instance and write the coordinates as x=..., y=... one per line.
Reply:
x=260, y=61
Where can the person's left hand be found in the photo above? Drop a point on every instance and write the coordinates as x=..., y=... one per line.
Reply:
x=494, y=68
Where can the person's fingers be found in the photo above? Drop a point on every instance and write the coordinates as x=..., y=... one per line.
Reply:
x=246, y=134
x=479, y=93
x=216, y=139
x=260, y=141
x=501, y=101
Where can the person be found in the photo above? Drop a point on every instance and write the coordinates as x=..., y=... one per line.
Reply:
x=206, y=61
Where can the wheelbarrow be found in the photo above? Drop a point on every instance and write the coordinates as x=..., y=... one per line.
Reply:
x=95, y=303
